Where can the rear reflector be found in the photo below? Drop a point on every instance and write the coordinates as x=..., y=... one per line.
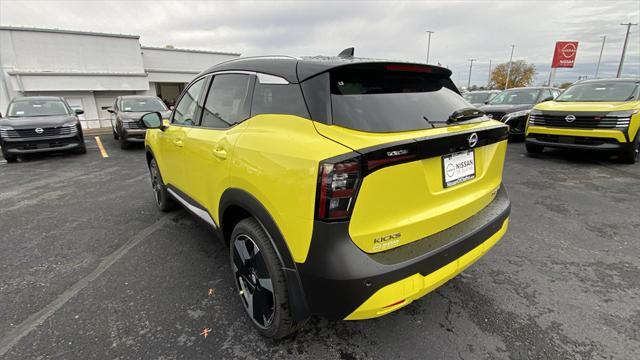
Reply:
x=395, y=303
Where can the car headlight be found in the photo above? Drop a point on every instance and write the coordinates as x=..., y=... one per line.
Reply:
x=622, y=114
x=72, y=123
x=516, y=114
x=5, y=127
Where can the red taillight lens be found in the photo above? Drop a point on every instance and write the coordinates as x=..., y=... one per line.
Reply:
x=337, y=187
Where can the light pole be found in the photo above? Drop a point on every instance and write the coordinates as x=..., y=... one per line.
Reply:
x=604, y=38
x=506, y=84
x=624, y=47
x=470, y=68
x=489, y=77
x=429, y=32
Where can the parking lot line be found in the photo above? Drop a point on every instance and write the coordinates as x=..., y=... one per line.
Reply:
x=103, y=152
x=28, y=325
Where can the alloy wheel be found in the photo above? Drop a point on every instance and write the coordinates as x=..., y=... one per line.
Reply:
x=253, y=280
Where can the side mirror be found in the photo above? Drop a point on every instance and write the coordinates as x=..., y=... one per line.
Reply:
x=152, y=120
x=548, y=98
x=110, y=110
x=79, y=111
x=171, y=107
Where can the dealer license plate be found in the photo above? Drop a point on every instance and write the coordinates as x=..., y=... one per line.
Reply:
x=458, y=167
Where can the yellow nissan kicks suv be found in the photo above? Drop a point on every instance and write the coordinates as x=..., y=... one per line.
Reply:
x=344, y=187
x=601, y=114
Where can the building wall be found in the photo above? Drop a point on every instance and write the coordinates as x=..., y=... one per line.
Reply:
x=91, y=69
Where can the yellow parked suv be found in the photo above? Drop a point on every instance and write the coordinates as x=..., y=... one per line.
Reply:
x=591, y=115
x=344, y=187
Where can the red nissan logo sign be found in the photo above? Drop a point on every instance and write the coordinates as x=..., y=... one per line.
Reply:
x=569, y=50
x=564, y=55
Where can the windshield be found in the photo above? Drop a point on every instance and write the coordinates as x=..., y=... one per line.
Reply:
x=145, y=104
x=37, y=108
x=477, y=97
x=516, y=97
x=378, y=100
x=604, y=91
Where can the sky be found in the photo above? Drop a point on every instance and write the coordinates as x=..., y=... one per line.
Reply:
x=482, y=30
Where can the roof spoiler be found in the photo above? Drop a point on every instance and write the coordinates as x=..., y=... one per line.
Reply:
x=346, y=53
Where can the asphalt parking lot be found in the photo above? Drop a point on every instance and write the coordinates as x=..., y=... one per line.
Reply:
x=90, y=269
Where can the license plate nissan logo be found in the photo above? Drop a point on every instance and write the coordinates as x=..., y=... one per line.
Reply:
x=570, y=118
x=39, y=131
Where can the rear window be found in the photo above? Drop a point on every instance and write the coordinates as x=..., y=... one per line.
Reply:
x=388, y=98
x=37, y=108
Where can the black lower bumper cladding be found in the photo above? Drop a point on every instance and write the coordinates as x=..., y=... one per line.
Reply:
x=337, y=276
x=577, y=142
x=30, y=146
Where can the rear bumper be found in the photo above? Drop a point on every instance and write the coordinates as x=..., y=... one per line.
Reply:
x=21, y=146
x=341, y=281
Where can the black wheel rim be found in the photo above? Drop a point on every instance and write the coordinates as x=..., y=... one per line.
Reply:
x=156, y=183
x=253, y=280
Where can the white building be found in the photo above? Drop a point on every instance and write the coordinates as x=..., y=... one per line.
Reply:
x=90, y=69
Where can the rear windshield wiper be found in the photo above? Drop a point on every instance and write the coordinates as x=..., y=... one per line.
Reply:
x=464, y=114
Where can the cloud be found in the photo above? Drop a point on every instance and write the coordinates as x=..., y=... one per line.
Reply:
x=463, y=29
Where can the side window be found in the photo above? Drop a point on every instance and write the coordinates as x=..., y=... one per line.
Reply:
x=187, y=109
x=227, y=102
x=278, y=99
x=555, y=93
x=546, y=93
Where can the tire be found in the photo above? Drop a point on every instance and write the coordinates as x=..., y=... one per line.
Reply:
x=254, y=272
x=124, y=144
x=534, y=149
x=10, y=158
x=82, y=149
x=164, y=201
x=632, y=155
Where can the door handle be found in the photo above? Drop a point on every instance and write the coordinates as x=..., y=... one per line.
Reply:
x=220, y=153
x=177, y=143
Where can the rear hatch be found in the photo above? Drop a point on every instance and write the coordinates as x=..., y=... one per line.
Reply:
x=423, y=159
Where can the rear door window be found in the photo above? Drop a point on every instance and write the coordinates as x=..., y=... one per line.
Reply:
x=392, y=98
x=228, y=101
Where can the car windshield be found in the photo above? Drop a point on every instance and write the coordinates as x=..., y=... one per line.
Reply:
x=477, y=97
x=143, y=104
x=389, y=100
x=37, y=108
x=601, y=91
x=516, y=97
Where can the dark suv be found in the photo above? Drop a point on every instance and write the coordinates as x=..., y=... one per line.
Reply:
x=37, y=124
x=512, y=106
x=126, y=113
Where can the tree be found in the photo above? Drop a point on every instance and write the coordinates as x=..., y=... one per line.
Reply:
x=521, y=74
x=565, y=85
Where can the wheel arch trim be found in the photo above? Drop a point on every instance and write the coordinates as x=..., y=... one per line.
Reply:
x=246, y=201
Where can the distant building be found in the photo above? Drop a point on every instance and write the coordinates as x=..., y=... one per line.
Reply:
x=90, y=69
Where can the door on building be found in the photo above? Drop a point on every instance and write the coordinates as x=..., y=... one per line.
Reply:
x=169, y=92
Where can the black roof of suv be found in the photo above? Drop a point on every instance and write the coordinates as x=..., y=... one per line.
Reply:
x=298, y=69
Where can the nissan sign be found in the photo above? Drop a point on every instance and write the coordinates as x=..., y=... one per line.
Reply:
x=565, y=54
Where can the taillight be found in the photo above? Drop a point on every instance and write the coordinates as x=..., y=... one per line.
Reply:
x=337, y=188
